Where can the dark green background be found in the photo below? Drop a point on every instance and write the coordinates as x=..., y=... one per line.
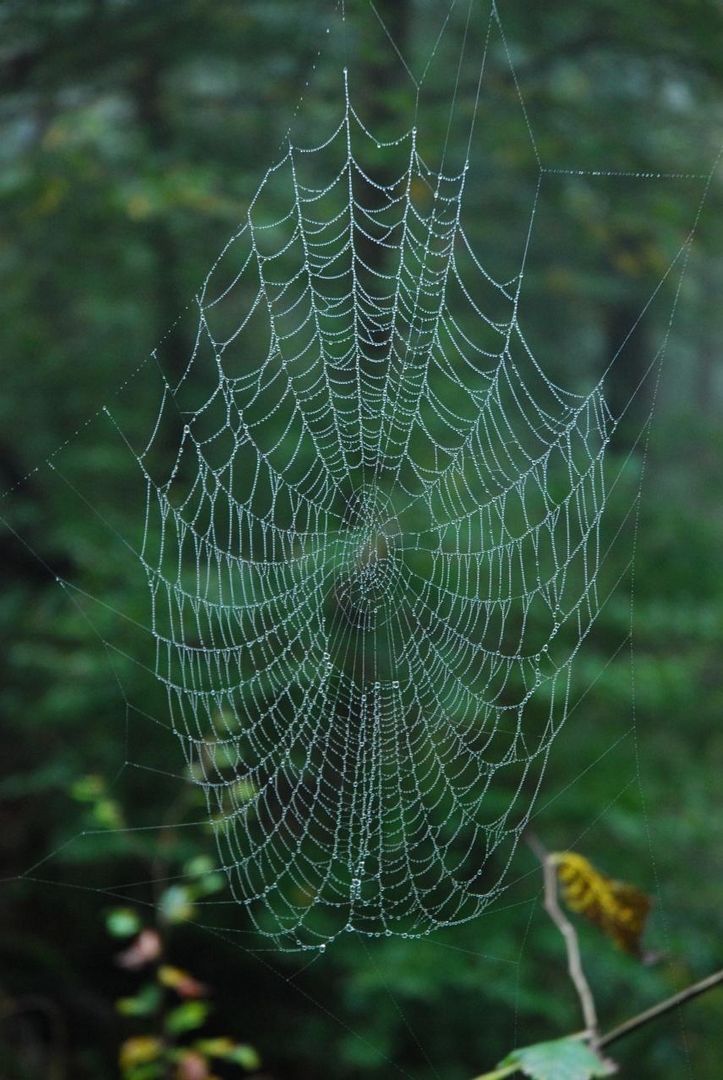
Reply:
x=133, y=135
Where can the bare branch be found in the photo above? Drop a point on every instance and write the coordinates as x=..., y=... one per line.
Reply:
x=569, y=934
x=662, y=1007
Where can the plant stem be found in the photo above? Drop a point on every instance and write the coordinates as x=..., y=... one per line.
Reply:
x=497, y=1074
x=569, y=934
x=662, y=1007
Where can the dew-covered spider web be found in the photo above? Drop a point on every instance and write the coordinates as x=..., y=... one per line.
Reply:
x=371, y=537
x=373, y=532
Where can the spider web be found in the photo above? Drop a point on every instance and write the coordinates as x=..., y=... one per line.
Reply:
x=378, y=529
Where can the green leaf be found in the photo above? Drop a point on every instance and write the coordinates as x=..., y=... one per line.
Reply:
x=244, y=1055
x=153, y=1070
x=559, y=1059
x=88, y=788
x=122, y=922
x=145, y=1002
x=199, y=866
x=244, y=790
x=108, y=814
x=187, y=1017
x=211, y=883
x=176, y=904
x=226, y=1050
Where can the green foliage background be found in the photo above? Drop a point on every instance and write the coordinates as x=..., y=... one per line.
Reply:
x=133, y=136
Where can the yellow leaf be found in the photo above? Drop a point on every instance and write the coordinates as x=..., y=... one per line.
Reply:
x=620, y=910
x=216, y=1047
x=139, y=1050
x=184, y=984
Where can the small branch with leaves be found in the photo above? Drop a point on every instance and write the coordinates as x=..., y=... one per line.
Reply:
x=170, y=1007
x=621, y=911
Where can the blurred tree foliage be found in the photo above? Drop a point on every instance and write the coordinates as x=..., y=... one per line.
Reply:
x=133, y=136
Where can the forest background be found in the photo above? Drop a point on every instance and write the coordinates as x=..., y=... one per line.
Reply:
x=133, y=136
